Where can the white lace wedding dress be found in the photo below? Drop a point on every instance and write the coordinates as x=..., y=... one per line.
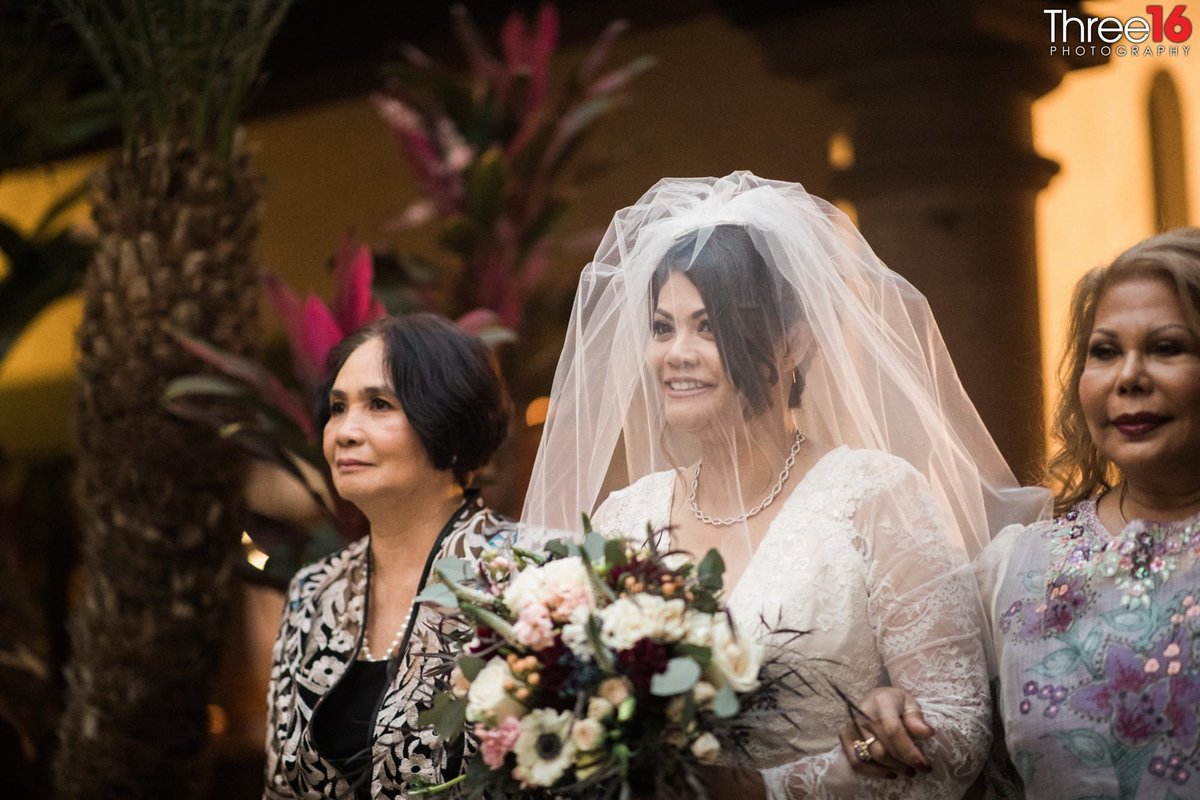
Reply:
x=855, y=556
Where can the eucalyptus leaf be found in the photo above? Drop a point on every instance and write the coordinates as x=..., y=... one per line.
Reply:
x=680, y=676
x=438, y=594
x=455, y=568
x=593, y=546
x=725, y=704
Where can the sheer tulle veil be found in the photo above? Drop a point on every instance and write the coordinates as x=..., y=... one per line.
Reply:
x=859, y=359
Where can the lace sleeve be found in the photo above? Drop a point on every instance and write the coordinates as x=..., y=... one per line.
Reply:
x=924, y=611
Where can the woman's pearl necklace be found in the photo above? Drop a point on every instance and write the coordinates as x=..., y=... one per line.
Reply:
x=766, y=501
x=365, y=653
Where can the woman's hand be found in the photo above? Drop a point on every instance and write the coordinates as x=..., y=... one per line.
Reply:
x=880, y=739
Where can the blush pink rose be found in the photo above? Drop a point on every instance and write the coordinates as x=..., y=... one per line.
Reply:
x=534, y=628
x=496, y=743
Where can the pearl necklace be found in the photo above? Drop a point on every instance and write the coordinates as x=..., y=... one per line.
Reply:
x=766, y=501
x=365, y=653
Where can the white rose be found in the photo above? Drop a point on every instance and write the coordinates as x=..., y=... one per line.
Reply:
x=672, y=620
x=575, y=636
x=587, y=734
x=626, y=621
x=488, y=699
x=736, y=659
x=699, y=628
x=706, y=748
x=527, y=587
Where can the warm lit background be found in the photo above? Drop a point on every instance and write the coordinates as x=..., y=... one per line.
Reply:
x=1125, y=134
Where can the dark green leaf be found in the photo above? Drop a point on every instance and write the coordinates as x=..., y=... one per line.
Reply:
x=711, y=572
x=614, y=553
x=447, y=716
x=485, y=186
x=459, y=235
x=702, y=655
x=471, y=666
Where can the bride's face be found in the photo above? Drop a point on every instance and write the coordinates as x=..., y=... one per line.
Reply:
x=696, y=391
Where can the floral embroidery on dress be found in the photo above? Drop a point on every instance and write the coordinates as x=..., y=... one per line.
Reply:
x=1140, y=559
x=1102, y=667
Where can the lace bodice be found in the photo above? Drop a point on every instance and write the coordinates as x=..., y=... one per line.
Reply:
x=857, y=557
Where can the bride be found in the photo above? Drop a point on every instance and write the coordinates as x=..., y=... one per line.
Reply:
x=741, y=362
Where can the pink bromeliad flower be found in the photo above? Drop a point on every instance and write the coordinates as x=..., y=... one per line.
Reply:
x=312, y=327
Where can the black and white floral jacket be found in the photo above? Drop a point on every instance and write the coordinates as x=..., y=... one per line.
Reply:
x=320, y=637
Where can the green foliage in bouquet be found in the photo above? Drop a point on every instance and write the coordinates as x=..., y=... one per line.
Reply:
x=599, y=669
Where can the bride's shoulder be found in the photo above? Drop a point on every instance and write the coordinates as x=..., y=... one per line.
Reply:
x=866, y=468
x=646, y=498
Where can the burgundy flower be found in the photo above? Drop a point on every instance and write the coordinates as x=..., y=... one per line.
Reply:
x=486, y=641
x=642, y=662
x=562, y=676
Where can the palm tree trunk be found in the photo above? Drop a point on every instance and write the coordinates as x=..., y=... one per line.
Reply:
x=159, y=500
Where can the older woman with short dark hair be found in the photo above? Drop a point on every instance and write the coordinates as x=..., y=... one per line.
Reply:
x=411, y=409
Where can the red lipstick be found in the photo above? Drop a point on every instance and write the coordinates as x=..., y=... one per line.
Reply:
x=1139, y=424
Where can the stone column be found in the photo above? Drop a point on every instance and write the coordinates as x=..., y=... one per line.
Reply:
x=937, y=101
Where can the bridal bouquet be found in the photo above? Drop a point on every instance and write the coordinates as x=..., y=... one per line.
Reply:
x=594, y=668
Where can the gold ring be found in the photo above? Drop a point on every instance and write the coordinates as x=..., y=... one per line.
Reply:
x=862, y=749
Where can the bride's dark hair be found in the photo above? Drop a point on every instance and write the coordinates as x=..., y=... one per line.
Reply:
x=751, y=309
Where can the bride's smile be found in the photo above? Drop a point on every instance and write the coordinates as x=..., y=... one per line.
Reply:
x=695, y=390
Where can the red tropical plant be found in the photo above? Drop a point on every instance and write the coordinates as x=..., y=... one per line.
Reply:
x=495, y=150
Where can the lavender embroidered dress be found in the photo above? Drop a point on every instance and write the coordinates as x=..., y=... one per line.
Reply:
x=1098, y=654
